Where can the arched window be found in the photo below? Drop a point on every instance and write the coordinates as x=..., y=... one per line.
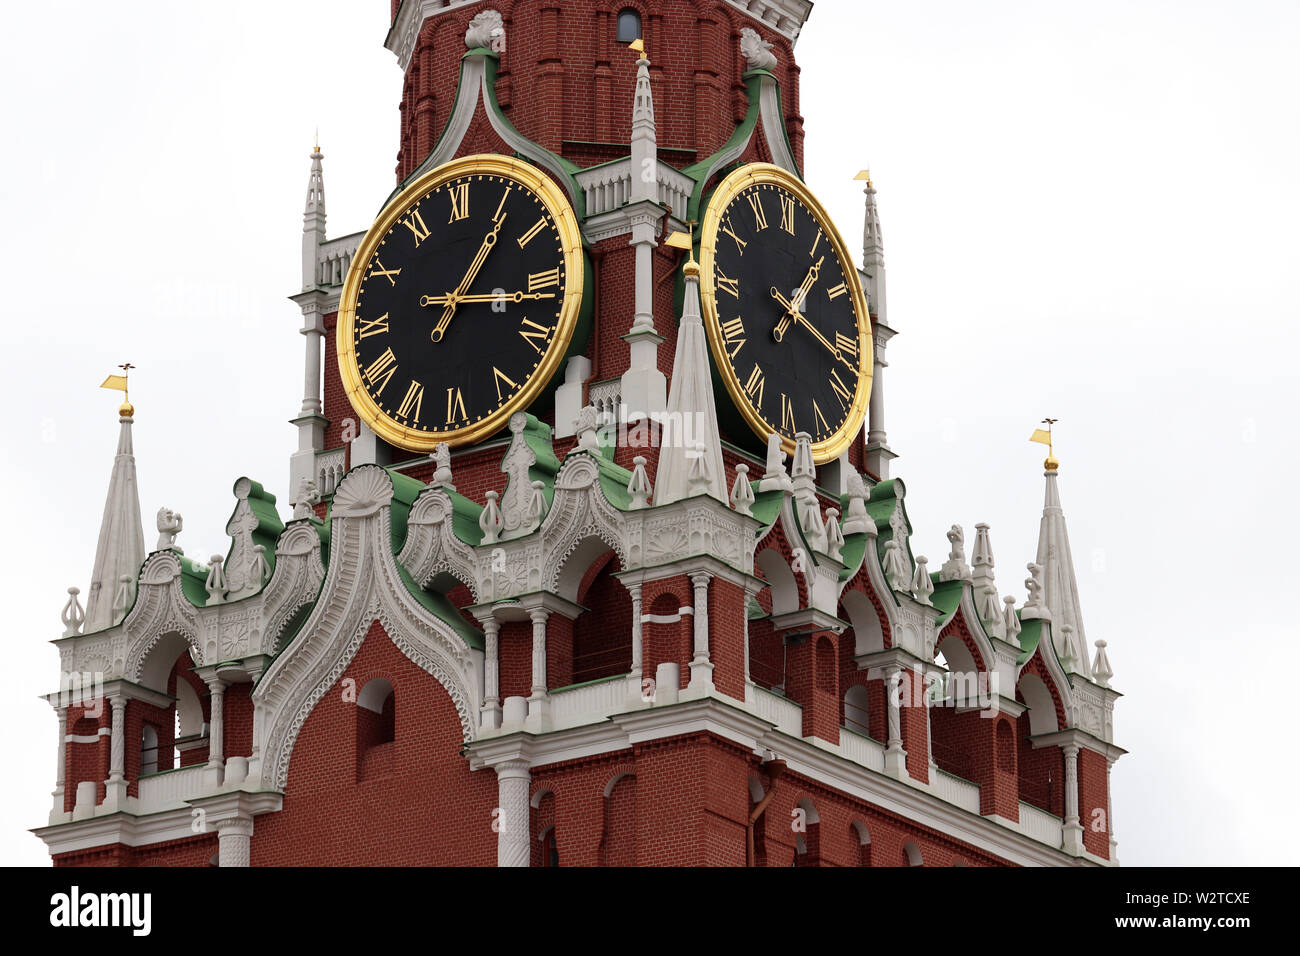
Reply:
x=913, y=854
x=862, y=837
x=857, y=710
x=376, y=728
x=550, y=852
x=629, y=25
x=148, y=750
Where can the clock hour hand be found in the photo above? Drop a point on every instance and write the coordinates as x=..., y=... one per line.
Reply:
x=800, y=297
x=800, y=318
x=484, y=297
x=453, y=298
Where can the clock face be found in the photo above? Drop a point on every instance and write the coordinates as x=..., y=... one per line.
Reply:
x=460, y=303
x=784, y=311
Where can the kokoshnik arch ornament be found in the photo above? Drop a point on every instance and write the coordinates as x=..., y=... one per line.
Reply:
x=784, y=311
x=442, y=335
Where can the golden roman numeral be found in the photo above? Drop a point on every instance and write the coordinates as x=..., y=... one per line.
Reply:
x=543, y=280
x=415, y=223
x=754, y=386
x=760, y=217
x=837, y=291
x=381, y=371
x=816, y=243
x=728, y=284
x=846, y=344
x=740, y=243
x=734, y=333
x=459, y=196
x=496, y=216
x=371, y=327
x=820, y=417
x=412, y=402
x=498, y=377
x=787, y=414
x=787, y=214
x=455, y=406
x=528, y=237
x=388, y=274
x=840, y=389
x=541, y=334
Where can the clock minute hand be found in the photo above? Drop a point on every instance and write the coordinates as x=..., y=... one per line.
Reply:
x=800, y=296
x=484, y=297
x=801, y=319
x=454, y=298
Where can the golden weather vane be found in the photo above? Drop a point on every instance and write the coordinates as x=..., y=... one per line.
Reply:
x=119, y=383
x=1044, y=437
x=685, y=240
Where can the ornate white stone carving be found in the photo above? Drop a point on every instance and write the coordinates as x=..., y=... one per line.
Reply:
x=856, y=520
x=895, y=566
x=490, y=521
x=308, y=497
x=956, y=568
x=486, y=30
x=774, y=476
x=922, y=586
x=757, y=51
x=1101, y=671
x=169, y=525
x=639, y=484
x=742, y=492
x=73, y=616
x=442, y=471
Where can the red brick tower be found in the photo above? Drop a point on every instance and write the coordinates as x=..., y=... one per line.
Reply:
x=602, y=622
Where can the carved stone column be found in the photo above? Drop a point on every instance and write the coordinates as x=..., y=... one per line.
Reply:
x=512, y=821
x=635, y=675
x=235, y=842
x=61, y=770
x=491, y=711
x=216, y=731
x=115, y=785
x=895, y=755
x=701, y=666
x=537, y=699
x=1073, y=831
x=1110, y=816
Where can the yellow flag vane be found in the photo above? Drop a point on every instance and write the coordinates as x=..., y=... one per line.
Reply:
x=685, y=240
x=118, y=382
x=1044, y=437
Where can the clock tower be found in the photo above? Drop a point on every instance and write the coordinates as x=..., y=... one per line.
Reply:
x=593, y=555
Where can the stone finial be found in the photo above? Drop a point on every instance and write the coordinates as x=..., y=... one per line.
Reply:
x=834, y=536
x=122, y=598
x=536, y=507
x=856, y=519
x=1101, y=672
x=895, y=566
x=922, y=586
x=803, y=468
x=956, y=568
x=697, y=476
x=261, y=571
x=442, y=466
x=490, y=520
x=742, y=492
x=1067, y=651
x=1010, y=622
x=517, y=466
x=639, y=485
x=169, y=526
x=308, y=498
x=216, y=582
x=1035, y=609
x=757, y=51
x=990, y=611
x=982, y=557
x=73, y=615
x=486, y=31
x=587, y=428
x=775, y=477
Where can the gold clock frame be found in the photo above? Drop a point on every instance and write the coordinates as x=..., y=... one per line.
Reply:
x=726, y=191
x=566, y=222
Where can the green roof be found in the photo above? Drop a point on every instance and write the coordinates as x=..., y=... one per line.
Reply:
x=946, y=597
x=440, y=607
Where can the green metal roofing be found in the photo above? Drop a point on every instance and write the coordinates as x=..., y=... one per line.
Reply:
x=946, y=597
x=194, y=582
x=1031, y=634
x=853, y=553
x=269, y=525
x=438, y=605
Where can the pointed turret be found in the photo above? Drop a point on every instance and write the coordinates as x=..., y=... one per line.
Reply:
x=1060, y=589
x=691, y=426
x=121, y=534
x=879, y=454
x=645, y=148
x=313, y=219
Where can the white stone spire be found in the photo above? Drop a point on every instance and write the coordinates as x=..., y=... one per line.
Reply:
x=879, y=454
x=121, y=534
x=691, y=425
x=643, y=387
x=313, y=219
x=1060, y=589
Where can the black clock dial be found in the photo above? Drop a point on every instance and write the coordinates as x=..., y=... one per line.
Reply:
x=459, y=304
x=787, y=321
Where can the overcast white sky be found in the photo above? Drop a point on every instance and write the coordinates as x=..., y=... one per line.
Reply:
x=1089, y=213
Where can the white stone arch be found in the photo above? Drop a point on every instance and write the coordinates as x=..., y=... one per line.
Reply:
x=861, y=832
x=189, y=710
x=294, y=583
x=432, y=552
x=578, y=514
x=868, y=634
x=912, y=853
x=362, y=585
x=376, y=691
x=159, y=658
x=857, y=709
x=585, y=552
x=780, y=580
x=161, y=613
x=963, y=669
x=614, y=781
x=809, y=808
x=1042, y=708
